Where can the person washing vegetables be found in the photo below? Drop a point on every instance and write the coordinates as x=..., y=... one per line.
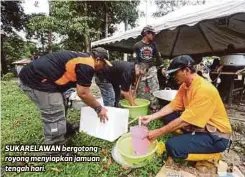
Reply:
x=204, y=122
x=112, y=81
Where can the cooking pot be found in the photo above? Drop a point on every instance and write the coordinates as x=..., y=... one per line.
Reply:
x=236, y=60
x=165, y=96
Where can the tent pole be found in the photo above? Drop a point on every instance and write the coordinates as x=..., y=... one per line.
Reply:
x=125, y=57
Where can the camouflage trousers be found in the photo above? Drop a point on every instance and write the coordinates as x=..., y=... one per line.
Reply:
x=148, y=84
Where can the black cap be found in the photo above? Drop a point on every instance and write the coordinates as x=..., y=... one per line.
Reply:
x=179, y=62
x=147, y=29
x=102, y=54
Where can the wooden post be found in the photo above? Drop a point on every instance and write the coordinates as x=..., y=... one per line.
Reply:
x=125, y=57
x=231, y=90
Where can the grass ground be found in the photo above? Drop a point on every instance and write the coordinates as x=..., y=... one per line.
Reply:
x=21, y=124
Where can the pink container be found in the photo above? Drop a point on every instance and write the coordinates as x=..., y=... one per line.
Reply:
x=140, y=141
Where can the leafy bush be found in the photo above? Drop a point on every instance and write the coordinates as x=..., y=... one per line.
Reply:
x=8, y=77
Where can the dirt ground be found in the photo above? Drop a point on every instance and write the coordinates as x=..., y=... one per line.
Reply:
x=237, y=154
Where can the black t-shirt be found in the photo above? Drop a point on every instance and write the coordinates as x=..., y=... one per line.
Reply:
x=145, y=52
x=121, y=73
x=58, y=71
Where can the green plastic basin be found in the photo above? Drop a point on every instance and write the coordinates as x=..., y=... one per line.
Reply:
x=124, y=146
x=141, y=109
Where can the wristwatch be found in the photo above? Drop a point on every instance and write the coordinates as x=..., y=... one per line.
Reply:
x=98, y=109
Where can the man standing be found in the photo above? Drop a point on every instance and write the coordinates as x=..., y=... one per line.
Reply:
x=204, y=121
x=45, y=79
x=145, y=51
x=117, y=79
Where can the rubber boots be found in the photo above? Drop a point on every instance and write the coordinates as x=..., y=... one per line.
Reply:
x=205, y=162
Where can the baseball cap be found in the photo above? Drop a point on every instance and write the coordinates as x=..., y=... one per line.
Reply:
x=179, y=62
x=146, y=29
x=102, y=54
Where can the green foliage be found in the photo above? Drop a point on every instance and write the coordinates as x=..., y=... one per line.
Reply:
x=38, y=25
x=15, y=48
x=166, y=6
x=56, y=47
x=80, y=22
x=7, y=77
x=12, y=16
x=76, y=22
x=127, y=11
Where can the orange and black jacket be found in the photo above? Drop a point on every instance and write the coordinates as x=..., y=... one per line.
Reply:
x=59, y=71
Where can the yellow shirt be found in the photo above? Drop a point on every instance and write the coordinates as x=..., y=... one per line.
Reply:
x=202, y=105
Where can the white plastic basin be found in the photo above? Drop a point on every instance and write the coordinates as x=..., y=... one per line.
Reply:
x=167, y=95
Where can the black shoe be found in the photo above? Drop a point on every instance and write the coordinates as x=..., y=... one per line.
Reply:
x=71, y=129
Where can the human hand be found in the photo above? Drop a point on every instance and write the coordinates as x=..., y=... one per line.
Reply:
x=145, y=119
x=153, y=134
x=102, y=114
x=133, y=103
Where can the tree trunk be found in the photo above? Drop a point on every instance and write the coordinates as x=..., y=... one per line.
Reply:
x=86, y=42
x=106, y=20
x=86, y=35
x=50, y=31
x=126, y=24
x=50, y=41
x=43, y=43
x=4, y=67
x=125, y=56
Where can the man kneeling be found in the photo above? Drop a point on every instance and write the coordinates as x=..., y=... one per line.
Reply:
x=204, y=121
